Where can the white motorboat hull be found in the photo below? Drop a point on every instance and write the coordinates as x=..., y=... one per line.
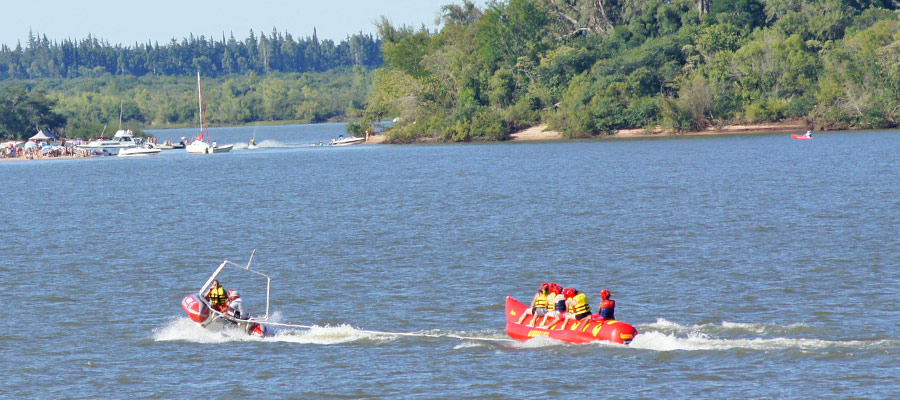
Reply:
x=200, y=147
x=348, y=141
x=138, y=152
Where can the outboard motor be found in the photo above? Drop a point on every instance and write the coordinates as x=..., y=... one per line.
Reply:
x=195, y=308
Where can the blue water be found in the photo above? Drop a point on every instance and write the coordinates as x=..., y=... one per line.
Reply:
x=754, y=267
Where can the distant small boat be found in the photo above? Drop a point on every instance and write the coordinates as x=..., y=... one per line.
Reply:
x=347, y=141
x=808, y=135
x=147, y=149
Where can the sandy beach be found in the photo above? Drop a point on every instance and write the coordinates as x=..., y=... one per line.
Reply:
x=540, y=132
x=41, y=158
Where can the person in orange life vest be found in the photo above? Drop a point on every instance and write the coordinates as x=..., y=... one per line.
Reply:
x=559, y=307
x=538, y=304
x=577, y=306
x=217, y=297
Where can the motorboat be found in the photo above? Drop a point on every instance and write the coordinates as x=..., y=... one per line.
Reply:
x=168, y=145
x=576, y=332
x=207, y=316
x=122, y=140
x=146, y=149
x=800, y=136
x=346, y=141
x=202, y=144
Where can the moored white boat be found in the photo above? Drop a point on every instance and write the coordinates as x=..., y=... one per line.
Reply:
x=122, y=140
x=202, y=144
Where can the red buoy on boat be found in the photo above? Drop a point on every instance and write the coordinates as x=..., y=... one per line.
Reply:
x=576, y=332
x=195, y=308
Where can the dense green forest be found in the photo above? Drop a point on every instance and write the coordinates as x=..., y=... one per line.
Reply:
x=74, y=88
x=591, y=67
x=81, y=107
x=277, y=52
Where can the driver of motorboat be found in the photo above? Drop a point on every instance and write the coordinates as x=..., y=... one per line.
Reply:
x=235, y=305
x=217, y=297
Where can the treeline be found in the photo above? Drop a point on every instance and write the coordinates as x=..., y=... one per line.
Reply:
x=590, y=67
x=81, y=107
x=276, y=52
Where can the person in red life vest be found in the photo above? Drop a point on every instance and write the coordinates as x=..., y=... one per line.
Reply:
x=217, y=297
x=577, y=306
x=559, y=306
x=607, y=307
x=538, y=304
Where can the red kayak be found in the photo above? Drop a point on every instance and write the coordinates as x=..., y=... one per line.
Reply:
x=576, y=332
x=800, y=136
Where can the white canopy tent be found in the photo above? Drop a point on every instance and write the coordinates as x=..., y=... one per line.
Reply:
x=41, y=135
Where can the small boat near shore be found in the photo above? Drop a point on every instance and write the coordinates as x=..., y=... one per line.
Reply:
x=576, y=332
x=346, y=141
x=122, y=140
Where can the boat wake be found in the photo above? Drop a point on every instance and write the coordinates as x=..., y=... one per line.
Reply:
x=669, y=336
x=268, y=144
x=183, y=329
x=662, y=335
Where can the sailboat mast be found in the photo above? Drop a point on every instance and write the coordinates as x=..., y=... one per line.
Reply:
x=200, y=104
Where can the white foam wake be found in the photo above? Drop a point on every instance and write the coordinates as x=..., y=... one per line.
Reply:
x=726, y=327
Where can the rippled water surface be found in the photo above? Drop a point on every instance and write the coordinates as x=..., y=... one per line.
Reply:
x=753, y=266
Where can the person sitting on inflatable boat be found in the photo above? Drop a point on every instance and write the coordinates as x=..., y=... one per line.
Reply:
x=559, y=306
x=577, y=306
x=217, y=297
x=538, y=304
x=235, y=305
x=607, y=309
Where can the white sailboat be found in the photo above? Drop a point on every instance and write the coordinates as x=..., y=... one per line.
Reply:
x=202, y=144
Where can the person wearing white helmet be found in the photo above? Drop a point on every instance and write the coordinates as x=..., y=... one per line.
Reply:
x=236, y=305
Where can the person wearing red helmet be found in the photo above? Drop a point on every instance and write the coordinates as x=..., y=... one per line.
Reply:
x=538, y=304
x=577, y=306
x=559, y=307
x=607, y=307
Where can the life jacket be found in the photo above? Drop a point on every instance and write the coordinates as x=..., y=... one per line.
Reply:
x=608, y=309
x=540, y=300
x=550, y=301
x=581, y=304
x=217, y=296
x=560, y=303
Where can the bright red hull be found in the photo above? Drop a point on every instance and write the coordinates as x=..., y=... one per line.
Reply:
x=576, y=332
x=798, y=136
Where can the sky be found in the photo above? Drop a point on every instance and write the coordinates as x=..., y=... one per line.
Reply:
x=127, y=22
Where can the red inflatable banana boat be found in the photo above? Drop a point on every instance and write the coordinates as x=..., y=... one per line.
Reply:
x=575, y=332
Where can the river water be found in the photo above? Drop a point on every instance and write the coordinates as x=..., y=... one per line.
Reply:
x=753, y=266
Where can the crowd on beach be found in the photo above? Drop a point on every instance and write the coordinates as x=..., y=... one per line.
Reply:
x=34, y=150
